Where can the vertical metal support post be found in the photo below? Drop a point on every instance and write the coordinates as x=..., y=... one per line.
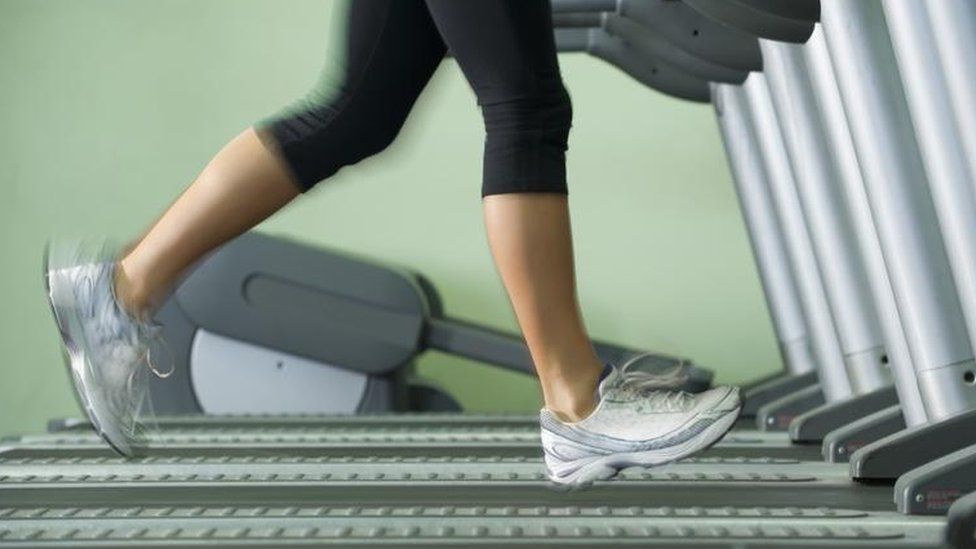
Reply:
x=953, y=193
x=765, y=234
x=956, y=43
x=901, y=206
x=838, y=135
x=823, y=334
x=825, y=212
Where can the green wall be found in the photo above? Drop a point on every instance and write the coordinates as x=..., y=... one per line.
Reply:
x=109, y=109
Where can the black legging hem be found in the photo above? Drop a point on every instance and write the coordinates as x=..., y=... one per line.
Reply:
x=388, y=51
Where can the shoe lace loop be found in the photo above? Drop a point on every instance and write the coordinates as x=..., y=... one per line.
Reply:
x=654, y=389
x=146, y=333
x=635, y=378
x=669, y=401
x=154, y=337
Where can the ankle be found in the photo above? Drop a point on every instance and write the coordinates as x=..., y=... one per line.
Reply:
x=573, y=400
x=573, y=411
x=130, y=293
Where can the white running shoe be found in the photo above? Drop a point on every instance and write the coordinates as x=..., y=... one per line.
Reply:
x=635, y=423
x=107, y=349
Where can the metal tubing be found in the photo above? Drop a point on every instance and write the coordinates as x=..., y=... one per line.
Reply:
x=956, y=42
x=831, y=231
x=902, y=208
x=763, y=228
x=823, y=334
x=838, y=134
x=953, y=193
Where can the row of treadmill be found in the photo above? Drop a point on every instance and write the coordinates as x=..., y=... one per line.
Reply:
x=295, y=417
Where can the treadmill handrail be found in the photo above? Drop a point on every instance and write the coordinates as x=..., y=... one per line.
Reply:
x=643, y=41
x=653, y=73
x=756, y=21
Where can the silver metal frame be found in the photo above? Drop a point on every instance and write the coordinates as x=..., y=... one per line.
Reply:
x=902, y=208
x=763, y=228
x=838, y=136
x=952, y=190
x=824, y=210
x=956, y=42
x=823, y=334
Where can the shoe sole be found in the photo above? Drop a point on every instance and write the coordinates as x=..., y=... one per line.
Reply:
x=68, y=322
x=606, y=467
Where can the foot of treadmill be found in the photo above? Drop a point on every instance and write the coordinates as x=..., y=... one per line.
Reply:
x=895, y=455
x=760, y=394
x=840, y=443
x=777, y=415
x=813, y=426
x=932, y=488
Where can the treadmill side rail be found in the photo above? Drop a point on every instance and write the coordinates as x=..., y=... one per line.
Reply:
x=813, y=426
x=760, y=394
x=895, y=455
x=840, y=443
x=777, y=415
x=932, y=488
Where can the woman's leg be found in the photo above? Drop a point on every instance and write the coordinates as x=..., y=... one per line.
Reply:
x=530, y=240
x=244, y=184
x=507, y=52
x=383, y=52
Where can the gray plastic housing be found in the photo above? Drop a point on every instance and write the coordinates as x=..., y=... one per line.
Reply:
x=698, y=35
x=895, y=455
x=778, y=414
x=671, y=21
x=339, y=311
x=757, y=17
x=339, y=327
x=932, y=488
x=761, y=394
x=961, y=529
x=815, y=424
x=652, y=72
x=841, y=443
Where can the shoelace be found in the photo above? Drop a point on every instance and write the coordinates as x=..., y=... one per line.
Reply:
x=643, y=380
x=667, y=401
x=155, y=340
x=653, y=389
x=145, y=334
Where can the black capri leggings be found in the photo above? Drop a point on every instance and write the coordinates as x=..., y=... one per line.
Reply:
x=387, y=50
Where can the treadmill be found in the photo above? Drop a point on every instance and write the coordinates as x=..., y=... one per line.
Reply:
x=612, y=48
x=682, y=484
x=232, y=273
x=607, y=41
